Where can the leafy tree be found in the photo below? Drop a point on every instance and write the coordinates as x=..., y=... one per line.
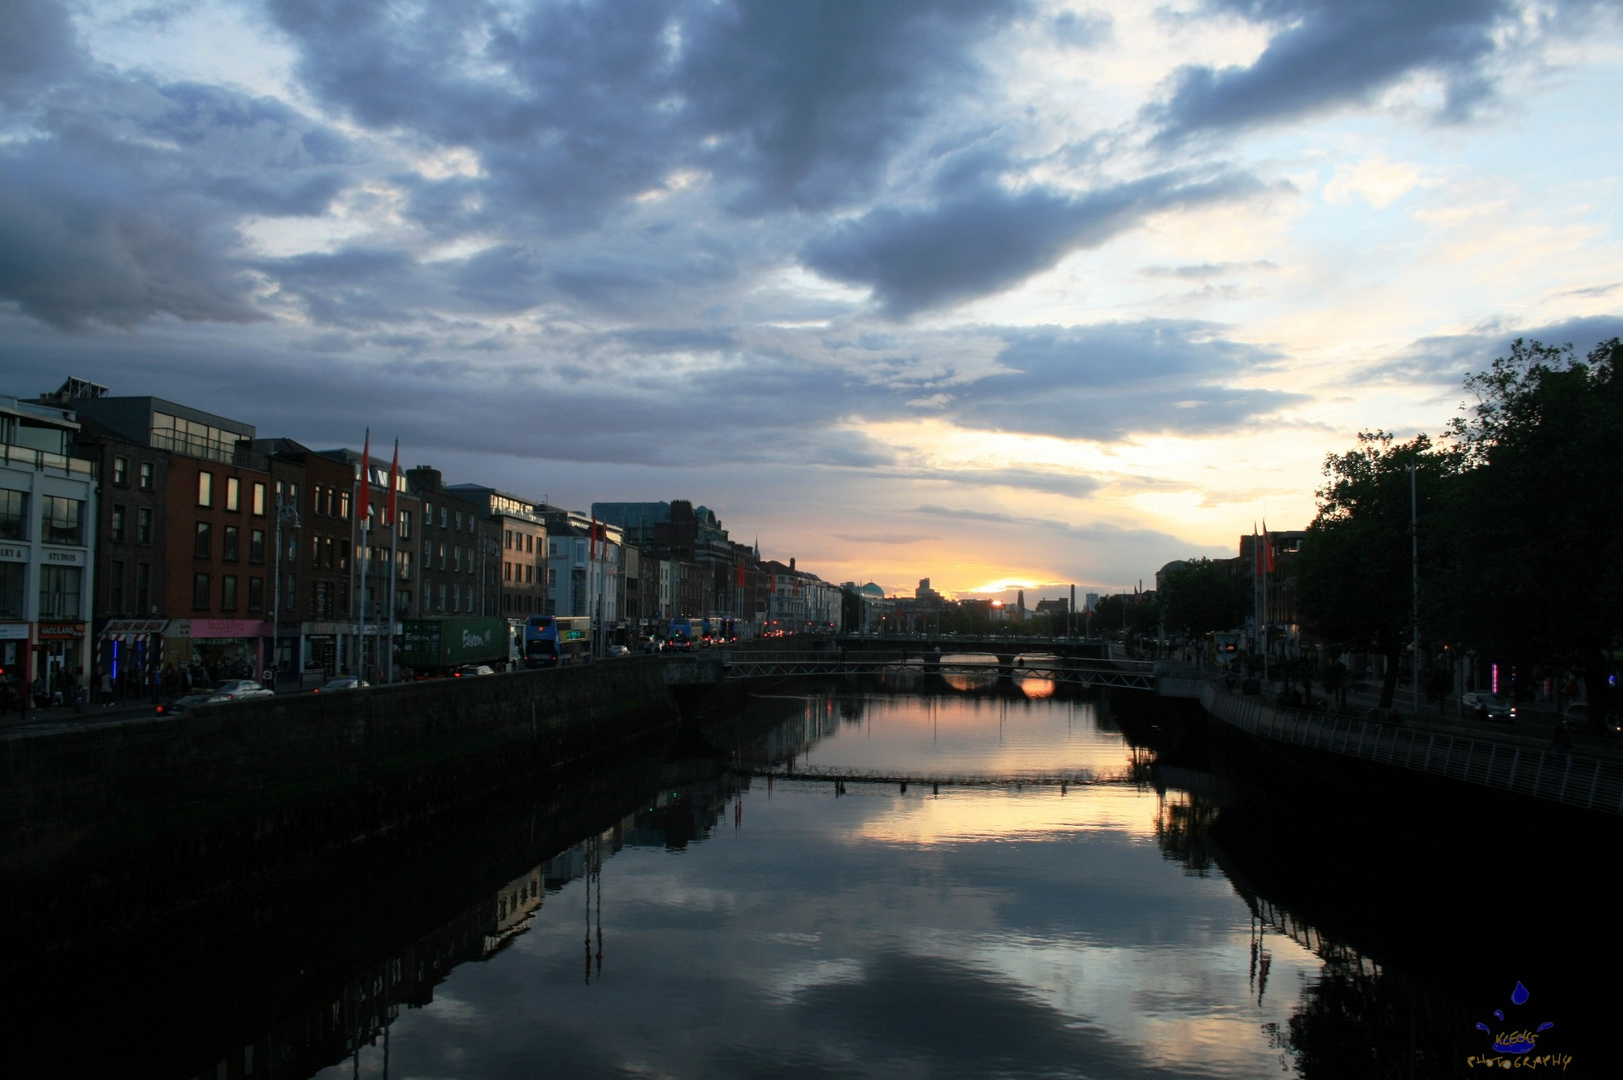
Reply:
x=1353, y=574
x=1203, y=596
x=1541, y=513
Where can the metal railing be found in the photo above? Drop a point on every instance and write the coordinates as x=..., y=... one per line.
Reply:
x=1572, y=779
x=751, y=664
x=28, y=457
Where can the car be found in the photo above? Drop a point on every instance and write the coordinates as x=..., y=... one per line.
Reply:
x=1577, y=714
x=1497, y=706
x=184, y=704
x=343, y=682
x=474, y=669
x=243, y=689
x=618, y=650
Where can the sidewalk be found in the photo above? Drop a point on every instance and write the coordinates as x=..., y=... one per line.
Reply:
x=59, y=717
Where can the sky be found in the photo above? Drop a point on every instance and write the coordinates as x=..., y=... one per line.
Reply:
x=1009, y=294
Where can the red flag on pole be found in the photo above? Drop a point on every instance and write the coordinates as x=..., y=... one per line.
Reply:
x=1267, y=549
x=394, y=474
x=1256, y=552
x=740, y=575
x=363, y=498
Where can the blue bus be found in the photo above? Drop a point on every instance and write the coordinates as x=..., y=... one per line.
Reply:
x=551, y=640
x=688, y=632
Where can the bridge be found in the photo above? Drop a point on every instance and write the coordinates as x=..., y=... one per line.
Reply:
x=734, y=664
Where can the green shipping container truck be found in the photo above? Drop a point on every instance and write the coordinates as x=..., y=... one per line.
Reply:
x=431, y=644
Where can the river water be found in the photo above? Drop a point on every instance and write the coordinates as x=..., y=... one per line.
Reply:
x=935, y=878
x=1035, y=903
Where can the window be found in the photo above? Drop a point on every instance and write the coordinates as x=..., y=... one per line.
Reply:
x=256, y=594
x=115, y=588
x=443, y=588
x=205, y=489
x=456, y=558
x=552, y=577
x=259, y=499
x=121, y=471
x=403, y=567
x=507, y=539
x=11, y=589
x=326, y=552
x=203, y=544
x=118, y=522
x=507, y=570
x=143, y=589
x=59, y=592
x=343, y=555
x=200, y=592
x=147, y=470
x=233, y=494
x=445, y=516
x=289, y=593
x=459, y=521
x=60, y=523
x=321, y=593
x=293, y=495
x=256, y=546
x=442, y=556
x=428, y=516
x=292, y=553
x=228, y=593
x=529, y=575
x=343, y=505
x=405, y=524
x=228, y=543
x=13, y=515
x=143, y=525
x=315, y=551
x=529, y=544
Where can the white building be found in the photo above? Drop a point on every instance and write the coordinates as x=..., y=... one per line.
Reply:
x=47, y=524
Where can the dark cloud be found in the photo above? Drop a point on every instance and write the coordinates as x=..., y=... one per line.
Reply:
x=1105, y=382
x=36, y=46
x=988, y=240
x=1445, y=361
x=1329, y=53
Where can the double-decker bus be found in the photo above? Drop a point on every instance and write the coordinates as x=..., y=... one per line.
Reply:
x=550, y=640
x=687, y=632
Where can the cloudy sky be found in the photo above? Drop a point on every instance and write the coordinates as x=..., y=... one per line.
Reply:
x=989, y=291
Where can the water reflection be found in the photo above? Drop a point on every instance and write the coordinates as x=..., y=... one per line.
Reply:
x=692, y=920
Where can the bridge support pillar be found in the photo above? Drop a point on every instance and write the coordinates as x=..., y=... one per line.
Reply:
x=1005, y=665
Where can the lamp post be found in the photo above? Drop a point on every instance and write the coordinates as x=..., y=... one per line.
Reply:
x=286, y=514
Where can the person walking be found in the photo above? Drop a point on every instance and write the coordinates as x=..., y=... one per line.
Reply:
x=106, y=690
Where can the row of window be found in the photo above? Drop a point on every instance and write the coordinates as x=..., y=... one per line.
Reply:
x=61, y=519
x=122, y=591
x=522, y=573
x=202, y=593
x=233, y=493
x=58, y=591
x=230, y=542
x=449, y=519
x=456, y=563
x=121, y=473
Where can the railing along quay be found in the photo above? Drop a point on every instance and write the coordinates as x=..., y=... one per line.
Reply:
x=1562, y=776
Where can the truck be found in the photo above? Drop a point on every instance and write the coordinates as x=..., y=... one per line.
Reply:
x=436, y=646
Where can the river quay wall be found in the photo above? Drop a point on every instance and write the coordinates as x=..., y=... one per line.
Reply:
x=310, y=770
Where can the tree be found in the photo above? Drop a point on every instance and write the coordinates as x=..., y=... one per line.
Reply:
x=1354, y=583
x=1203, y=596
x=1541, y=511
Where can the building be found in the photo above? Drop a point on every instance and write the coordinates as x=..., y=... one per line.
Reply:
x=48, y=513
x=521, y=589
x=217, y=543
x=583, y=568
x=462, y=554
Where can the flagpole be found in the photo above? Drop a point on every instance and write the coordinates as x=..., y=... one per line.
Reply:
x=392, y=513
x=363, y=512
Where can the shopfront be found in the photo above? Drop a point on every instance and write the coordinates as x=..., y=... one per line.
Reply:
x=131, y=651
x=60, y=658
x=14, y=669
x=217, y=649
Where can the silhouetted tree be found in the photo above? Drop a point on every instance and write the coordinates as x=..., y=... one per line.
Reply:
x=1540, y=518
x=1353, y=574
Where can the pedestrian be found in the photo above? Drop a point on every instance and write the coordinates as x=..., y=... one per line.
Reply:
x=106, y=690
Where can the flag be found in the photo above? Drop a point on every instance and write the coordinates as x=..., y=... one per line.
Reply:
x=363, y=498
x=591, y=545
x=740, y=575
x=1267, y=548
x=1256, y=552
x=394, y=475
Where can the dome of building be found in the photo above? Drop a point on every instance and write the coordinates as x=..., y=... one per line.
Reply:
x=870, y=589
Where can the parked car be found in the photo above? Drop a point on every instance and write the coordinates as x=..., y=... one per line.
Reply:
x=474, y=669
x=343, y=682
x=618, y=650
x=1497, y=706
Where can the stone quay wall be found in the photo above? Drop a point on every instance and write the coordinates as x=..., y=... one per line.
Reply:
x=368, y=759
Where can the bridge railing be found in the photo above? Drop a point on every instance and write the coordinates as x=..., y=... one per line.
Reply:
x=1579, y=780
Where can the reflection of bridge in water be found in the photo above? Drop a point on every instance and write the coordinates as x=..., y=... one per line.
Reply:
x=1136, y=774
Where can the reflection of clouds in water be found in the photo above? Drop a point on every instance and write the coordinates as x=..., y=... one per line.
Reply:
x=1037, y=814
x=787, y=983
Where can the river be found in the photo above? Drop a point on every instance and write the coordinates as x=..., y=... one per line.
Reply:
x=982, y=880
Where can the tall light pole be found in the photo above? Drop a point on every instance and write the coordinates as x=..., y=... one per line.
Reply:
x=286, y=514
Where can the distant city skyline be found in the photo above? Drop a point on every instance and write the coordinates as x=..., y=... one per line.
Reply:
x=1009, y=295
